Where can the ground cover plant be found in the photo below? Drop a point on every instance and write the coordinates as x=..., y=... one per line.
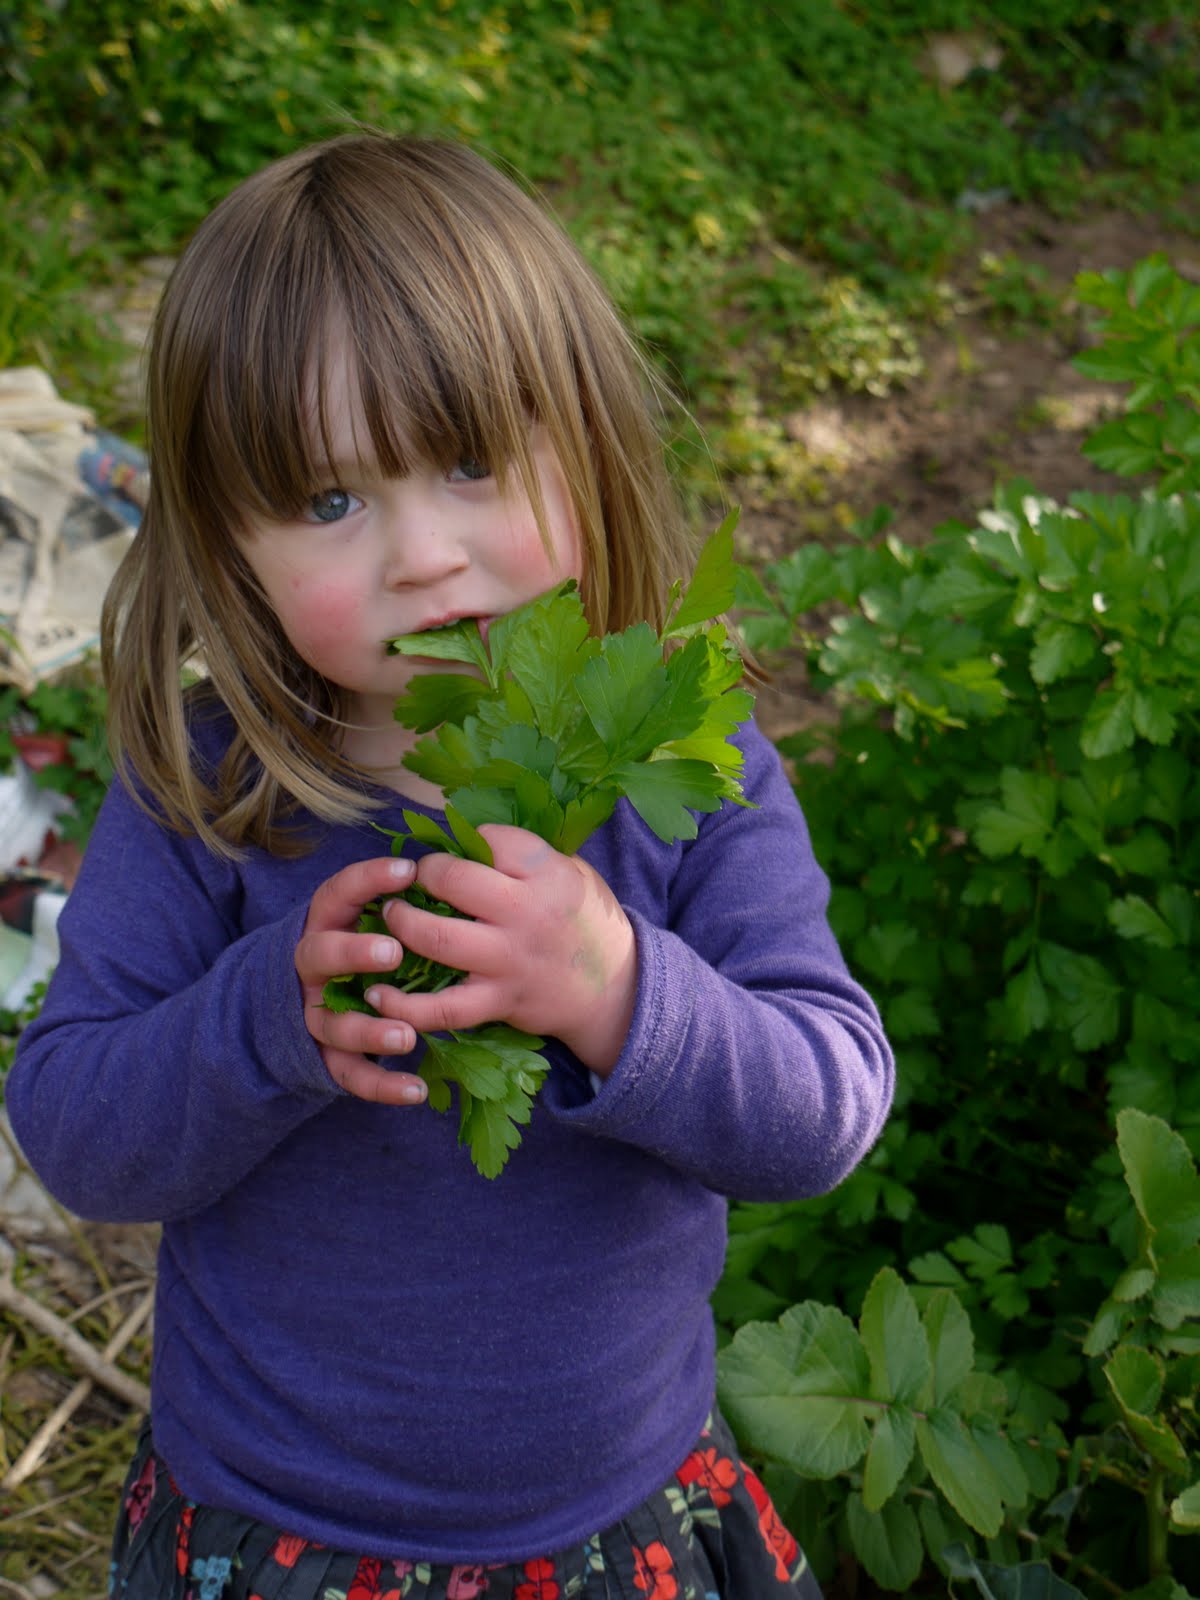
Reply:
x=1008, y=807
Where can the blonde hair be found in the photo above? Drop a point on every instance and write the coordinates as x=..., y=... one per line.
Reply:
x=467, y=311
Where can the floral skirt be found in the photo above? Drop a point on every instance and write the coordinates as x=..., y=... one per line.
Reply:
x=711, y=1533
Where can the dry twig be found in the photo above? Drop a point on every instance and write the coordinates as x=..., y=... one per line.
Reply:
x=7, y=1586
x=76, y=1348
x=34, y=1452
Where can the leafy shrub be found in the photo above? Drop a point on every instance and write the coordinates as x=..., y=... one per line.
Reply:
x=1008, y=808
x=949, y=1462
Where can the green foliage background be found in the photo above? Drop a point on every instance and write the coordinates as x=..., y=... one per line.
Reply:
x=976, y=1362
x=1008, y=808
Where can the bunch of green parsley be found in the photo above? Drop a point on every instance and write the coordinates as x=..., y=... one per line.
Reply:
x=557, y=726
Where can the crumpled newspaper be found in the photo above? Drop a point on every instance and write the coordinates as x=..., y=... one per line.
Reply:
x=70, y=497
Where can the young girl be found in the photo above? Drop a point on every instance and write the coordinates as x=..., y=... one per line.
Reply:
x=386, y=392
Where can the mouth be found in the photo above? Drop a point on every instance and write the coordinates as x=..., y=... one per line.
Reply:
x=453, y=619
x=462, y=632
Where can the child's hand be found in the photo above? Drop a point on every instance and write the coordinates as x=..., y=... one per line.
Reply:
x=549, y=949
x=328, y=947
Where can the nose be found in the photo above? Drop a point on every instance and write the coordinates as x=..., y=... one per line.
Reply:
x=422, y=544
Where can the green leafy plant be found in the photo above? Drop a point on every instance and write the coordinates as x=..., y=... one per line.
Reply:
x=555, y=729
x=1148, y=1331
x=1008, y=808
x=1152, y=319
x=940, y=1456
x=928, y=1442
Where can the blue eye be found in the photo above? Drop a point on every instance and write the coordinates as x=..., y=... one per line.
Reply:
x=468, y=470
x=331, y=505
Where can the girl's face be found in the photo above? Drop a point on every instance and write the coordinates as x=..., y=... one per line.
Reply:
x=373, y=557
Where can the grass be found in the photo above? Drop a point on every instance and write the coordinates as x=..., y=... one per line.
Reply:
x=48, y=270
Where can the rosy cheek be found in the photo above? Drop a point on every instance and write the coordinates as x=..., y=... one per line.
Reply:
x=533, y=568
x=319, y=617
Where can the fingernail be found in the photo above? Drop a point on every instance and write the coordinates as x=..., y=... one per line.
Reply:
x=403, y=869
x=386, y=950
x=413, y=1093
x=398, y=1040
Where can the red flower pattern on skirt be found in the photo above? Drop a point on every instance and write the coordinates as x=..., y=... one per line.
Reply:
x=288, y=1549
x=183, y=1539
x=464, y=1583
x=365, y=1583
x=653, y=1572
x=539, y=1582
x=137, y=1501
x=776, y=1537
x=712, y=1471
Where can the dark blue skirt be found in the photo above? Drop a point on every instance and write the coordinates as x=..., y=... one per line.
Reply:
x=710, y=1533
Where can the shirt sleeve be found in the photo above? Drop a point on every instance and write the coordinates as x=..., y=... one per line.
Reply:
x=754, y=1061
x=166, y=1026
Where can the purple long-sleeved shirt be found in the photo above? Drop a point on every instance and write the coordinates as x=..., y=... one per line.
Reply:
x=358, y=1338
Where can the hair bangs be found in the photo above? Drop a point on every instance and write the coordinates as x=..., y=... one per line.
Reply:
x=251, y=454
x=418, y=402
x=441, y=368
x=432, y=353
